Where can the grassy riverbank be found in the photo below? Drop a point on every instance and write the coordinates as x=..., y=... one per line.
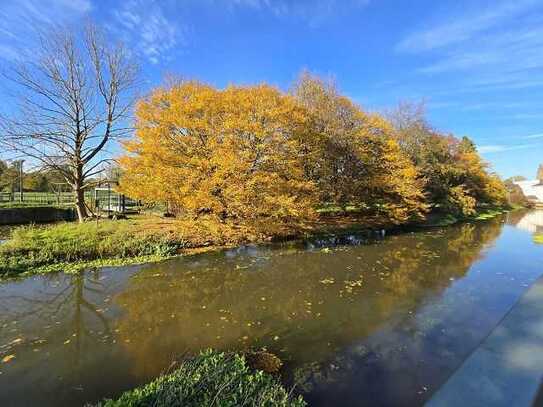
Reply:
x=212, y=378
x=72, y=247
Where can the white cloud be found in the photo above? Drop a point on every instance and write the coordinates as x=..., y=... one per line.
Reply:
x=146, y=25
x=313, y=12
x=532, y=136
x=495, y=48
x=493, y=148
x=499, y=148
x=18, y=19
x=462, y=28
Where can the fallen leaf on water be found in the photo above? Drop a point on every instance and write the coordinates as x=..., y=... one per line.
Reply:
x=7, y=358
x=329, y=280
x=67, y=341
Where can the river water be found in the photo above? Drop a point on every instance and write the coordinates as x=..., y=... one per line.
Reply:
x=358, y=320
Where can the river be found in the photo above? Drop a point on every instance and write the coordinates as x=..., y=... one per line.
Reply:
x=358, y=320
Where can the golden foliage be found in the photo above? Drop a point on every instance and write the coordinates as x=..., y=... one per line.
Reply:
x=232, y=154
x=356, y=159
x=253, y=155
x=455, y=177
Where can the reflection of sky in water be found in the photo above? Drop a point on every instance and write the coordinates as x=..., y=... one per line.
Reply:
x=360, y=319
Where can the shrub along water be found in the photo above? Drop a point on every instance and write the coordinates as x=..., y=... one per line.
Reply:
x=212, y=378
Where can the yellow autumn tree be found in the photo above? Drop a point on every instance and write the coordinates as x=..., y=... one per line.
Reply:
x=355, y=159
x=232, y=154
x=456, y=179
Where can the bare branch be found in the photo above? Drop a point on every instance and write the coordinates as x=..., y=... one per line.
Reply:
x=74, y=98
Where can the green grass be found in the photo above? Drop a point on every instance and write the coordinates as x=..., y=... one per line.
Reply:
x=329, y=209
x=10, y=205
x=486, y=214
x=446, y=219
x=72, y=246
x=212, y=378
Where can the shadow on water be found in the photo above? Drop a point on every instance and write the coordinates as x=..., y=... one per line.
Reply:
x=359, y=320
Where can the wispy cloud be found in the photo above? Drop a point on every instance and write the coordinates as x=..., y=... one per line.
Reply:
x=17, y=17
x=534, y=136
x=463, y=28
x=515, y=49
x=313, y=12
x=497, y=47
x=499, y=148
x=148, y=26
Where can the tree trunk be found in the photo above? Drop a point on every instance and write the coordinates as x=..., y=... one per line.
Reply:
x=80, y=204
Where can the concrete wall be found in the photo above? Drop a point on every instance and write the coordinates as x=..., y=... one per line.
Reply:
x=19, y=216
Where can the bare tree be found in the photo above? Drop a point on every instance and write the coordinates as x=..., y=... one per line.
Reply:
x=74, y=97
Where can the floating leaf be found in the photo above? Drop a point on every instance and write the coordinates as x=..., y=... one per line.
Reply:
x=329, y=280
x=7, y=358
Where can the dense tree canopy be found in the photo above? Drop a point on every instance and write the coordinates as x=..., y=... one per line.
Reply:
x=455, y=177
x=253, y=152
x=233, y=154
x=356, y=159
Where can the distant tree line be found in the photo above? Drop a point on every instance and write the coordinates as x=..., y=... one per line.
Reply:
x=34, y=181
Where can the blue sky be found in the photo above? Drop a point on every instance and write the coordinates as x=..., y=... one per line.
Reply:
x=477, y=64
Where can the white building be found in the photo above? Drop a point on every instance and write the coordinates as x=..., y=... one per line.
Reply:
x=532, y=222
x=533, y=190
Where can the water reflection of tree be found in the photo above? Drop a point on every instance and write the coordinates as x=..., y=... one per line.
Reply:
x=379, y=363
x=56, y=323
x=301, y=304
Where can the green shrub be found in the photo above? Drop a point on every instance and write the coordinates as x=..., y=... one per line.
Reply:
x=212, y=378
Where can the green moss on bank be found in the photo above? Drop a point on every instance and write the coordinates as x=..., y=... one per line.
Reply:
x=212, y=378
x=71, y=247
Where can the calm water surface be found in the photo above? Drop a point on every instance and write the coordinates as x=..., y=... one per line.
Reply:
x=358, y=321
